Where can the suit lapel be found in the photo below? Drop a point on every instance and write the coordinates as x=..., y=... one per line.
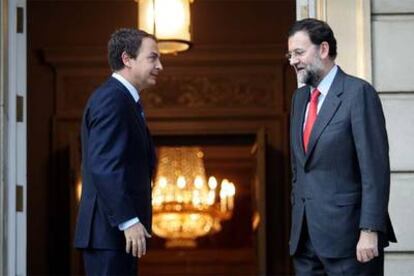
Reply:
x=327, y=111
x=302, y=101
x=131, y=103
x=139, y=121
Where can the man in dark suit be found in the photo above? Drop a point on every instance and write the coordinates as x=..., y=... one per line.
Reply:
x=340, y=163
x=117, y=160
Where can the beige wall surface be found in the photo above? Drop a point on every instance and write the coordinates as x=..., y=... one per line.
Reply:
x=392, y=6
x=398, y=109
x=2, y=134
x=402, y=211
x=392, y=40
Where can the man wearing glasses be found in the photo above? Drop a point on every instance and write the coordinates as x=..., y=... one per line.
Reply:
x=340, y=163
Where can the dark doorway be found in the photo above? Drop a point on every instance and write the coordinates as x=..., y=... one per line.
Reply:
x=233, y=82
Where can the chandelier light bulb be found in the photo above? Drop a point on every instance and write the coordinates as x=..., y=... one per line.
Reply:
x=163, y=182
x=212, y=182
x=211, y=198
x=232, y=189
x=181, y=182
x=198, y=182
x=225, y=186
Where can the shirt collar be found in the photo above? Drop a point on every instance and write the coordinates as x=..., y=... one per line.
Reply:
x=131, y=89
x=327, y=81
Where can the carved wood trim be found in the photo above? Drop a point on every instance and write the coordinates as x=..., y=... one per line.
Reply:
x=201, y=54
x=207, y=82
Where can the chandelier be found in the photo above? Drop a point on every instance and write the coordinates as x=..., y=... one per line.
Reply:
x=168, y=21
x=185, y=205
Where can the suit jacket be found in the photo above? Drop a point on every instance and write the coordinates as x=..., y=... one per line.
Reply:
x=117, y=163
x=341, y=184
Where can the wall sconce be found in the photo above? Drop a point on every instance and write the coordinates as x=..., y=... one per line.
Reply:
x=168, y=21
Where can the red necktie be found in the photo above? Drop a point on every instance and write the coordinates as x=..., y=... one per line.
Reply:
x=312, y=114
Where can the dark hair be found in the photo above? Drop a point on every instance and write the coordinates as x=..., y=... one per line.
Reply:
x=318, y=32
x=125, y=40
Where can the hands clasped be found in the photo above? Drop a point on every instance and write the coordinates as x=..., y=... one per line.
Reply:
x=135, y=240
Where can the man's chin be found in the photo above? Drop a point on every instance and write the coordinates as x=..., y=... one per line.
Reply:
x=301, y=78
x=151, y=82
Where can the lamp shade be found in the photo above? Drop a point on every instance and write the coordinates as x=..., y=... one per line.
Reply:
x=168, y=21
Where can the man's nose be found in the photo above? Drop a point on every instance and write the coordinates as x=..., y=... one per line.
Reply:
x=159, y=66
x=293, y=60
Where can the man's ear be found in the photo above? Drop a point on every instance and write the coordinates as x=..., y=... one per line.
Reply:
x=126, y=59
x=324, y=49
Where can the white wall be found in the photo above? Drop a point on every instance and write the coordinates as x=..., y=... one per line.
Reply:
x=393, y=69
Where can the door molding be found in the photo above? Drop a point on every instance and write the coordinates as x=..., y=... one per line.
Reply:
x=3, y=146
x=15, y=139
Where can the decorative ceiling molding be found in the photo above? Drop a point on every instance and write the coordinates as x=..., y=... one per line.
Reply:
x=228, y=54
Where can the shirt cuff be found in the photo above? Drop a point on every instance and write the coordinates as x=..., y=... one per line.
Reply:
x=128, y=223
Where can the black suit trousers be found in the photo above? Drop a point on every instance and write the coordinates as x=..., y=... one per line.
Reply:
x=109, y=262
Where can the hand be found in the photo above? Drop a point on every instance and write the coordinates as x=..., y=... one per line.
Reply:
x=135, y=239
x=367, y=247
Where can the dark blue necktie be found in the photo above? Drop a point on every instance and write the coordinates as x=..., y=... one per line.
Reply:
x=140, y=110
x=152, y=156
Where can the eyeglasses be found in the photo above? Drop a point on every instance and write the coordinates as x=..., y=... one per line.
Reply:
x=297, y=53
x=300, y=52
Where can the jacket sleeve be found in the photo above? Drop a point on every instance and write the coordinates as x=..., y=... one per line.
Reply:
x=371, y=143
x=107, y=157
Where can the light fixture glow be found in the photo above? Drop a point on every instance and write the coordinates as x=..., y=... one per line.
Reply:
x=168, y=21
x=184, y=207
